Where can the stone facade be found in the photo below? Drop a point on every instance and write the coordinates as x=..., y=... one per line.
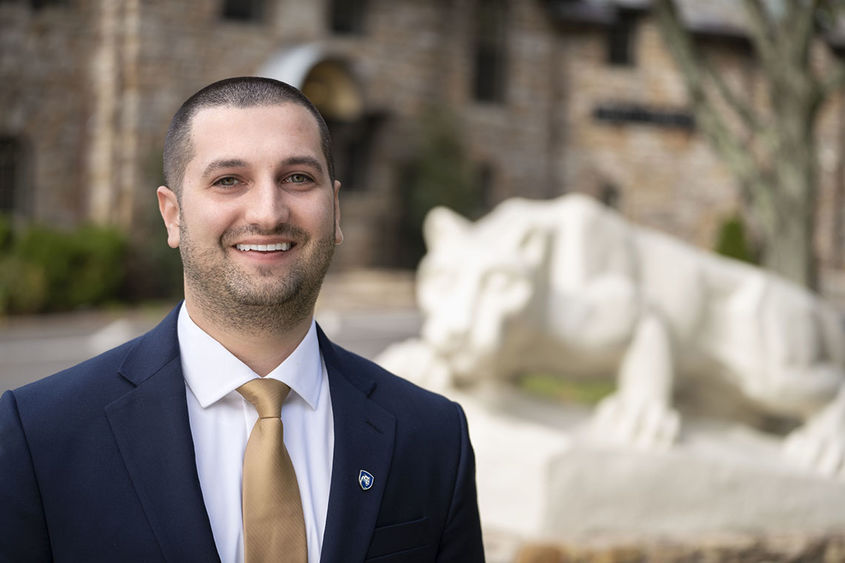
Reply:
x=90, y=85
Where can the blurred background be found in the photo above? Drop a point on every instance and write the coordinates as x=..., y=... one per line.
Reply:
x=700, y=118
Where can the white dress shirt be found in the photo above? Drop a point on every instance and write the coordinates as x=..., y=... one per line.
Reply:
x=221, y=420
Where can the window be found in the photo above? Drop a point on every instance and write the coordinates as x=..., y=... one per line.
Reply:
x=243, y=10
x=490, y=42
x=347, y=16
x=12, y=168
x=633, y=113
x=38, y=4
x=620, y=40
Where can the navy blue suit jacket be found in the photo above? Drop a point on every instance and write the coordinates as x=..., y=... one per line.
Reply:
x=97, y=464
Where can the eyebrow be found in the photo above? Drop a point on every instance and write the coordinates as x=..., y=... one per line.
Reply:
x=238, y=163
x=223, y=163
x=304, y=161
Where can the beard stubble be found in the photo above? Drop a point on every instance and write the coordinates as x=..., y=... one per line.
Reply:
x=262, y=300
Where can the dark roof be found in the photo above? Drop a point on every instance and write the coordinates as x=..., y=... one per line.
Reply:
x=708, y=16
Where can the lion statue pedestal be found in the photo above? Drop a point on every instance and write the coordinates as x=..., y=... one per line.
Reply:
x=541, y=476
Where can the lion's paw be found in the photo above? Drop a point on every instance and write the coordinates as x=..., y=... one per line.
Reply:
x=648, y=425
x=819, y=446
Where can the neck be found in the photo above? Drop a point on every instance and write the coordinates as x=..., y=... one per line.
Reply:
x=261, y=337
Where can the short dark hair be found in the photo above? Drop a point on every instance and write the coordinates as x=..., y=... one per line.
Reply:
x=239, y=92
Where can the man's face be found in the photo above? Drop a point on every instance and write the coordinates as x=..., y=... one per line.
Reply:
x=258, y=218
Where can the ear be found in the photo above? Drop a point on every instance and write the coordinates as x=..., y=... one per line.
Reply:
x=442, y=225
x=338, y=234
x=535, y=246
x=168, y=206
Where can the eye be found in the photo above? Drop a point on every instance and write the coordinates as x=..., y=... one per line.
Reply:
x=297, y=179
x=226, y=181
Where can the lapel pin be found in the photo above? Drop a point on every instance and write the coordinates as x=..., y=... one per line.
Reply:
x=365, y=479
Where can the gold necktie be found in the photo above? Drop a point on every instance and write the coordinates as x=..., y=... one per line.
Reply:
x=274, y=527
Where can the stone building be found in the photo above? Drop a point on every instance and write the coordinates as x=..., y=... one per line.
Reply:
x=547, y=97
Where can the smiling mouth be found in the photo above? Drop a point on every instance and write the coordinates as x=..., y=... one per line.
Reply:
x=280, y=246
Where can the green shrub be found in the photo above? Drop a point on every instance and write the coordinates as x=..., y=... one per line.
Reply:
x=45, y=269
x=23, y=286
x=732, y=241
x=51, y=252
x=98, y=266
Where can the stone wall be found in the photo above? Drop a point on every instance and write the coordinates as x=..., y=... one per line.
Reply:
x=92, y=85
x=46, y=104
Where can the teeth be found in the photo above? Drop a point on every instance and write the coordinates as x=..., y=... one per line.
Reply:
x=283, y=246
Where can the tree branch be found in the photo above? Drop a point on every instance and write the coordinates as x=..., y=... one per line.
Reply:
x=732, y=149
x=760, y=25
x=802, y=16
x=764, y=36
x=776, y=168
x=745, y=112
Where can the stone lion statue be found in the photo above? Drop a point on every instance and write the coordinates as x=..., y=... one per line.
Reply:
x=569, y=286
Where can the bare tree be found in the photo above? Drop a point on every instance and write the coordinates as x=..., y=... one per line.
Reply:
x=770, y=147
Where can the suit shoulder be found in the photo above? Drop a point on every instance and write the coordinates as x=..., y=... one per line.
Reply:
x=100, y=374
x=91, y=374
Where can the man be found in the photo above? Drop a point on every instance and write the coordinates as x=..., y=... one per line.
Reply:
x=139, y=454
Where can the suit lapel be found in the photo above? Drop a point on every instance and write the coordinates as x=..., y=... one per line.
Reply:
x=364, y=435
x=151, y=427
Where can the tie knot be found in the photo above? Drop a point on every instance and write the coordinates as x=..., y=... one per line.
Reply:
x=266, y=394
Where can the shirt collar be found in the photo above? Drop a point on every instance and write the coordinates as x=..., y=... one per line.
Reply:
x=212, y=372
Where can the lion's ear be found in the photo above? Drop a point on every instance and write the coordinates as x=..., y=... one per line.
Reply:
x=443, y=225
x=535, y=246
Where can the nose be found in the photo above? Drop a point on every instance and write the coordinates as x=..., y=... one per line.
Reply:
x=267, y=205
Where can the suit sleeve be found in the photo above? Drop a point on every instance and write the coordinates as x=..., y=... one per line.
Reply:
x=24, y=529
x=461, y=538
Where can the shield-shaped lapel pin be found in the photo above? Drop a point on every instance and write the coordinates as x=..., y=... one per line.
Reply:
x=365, y=479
